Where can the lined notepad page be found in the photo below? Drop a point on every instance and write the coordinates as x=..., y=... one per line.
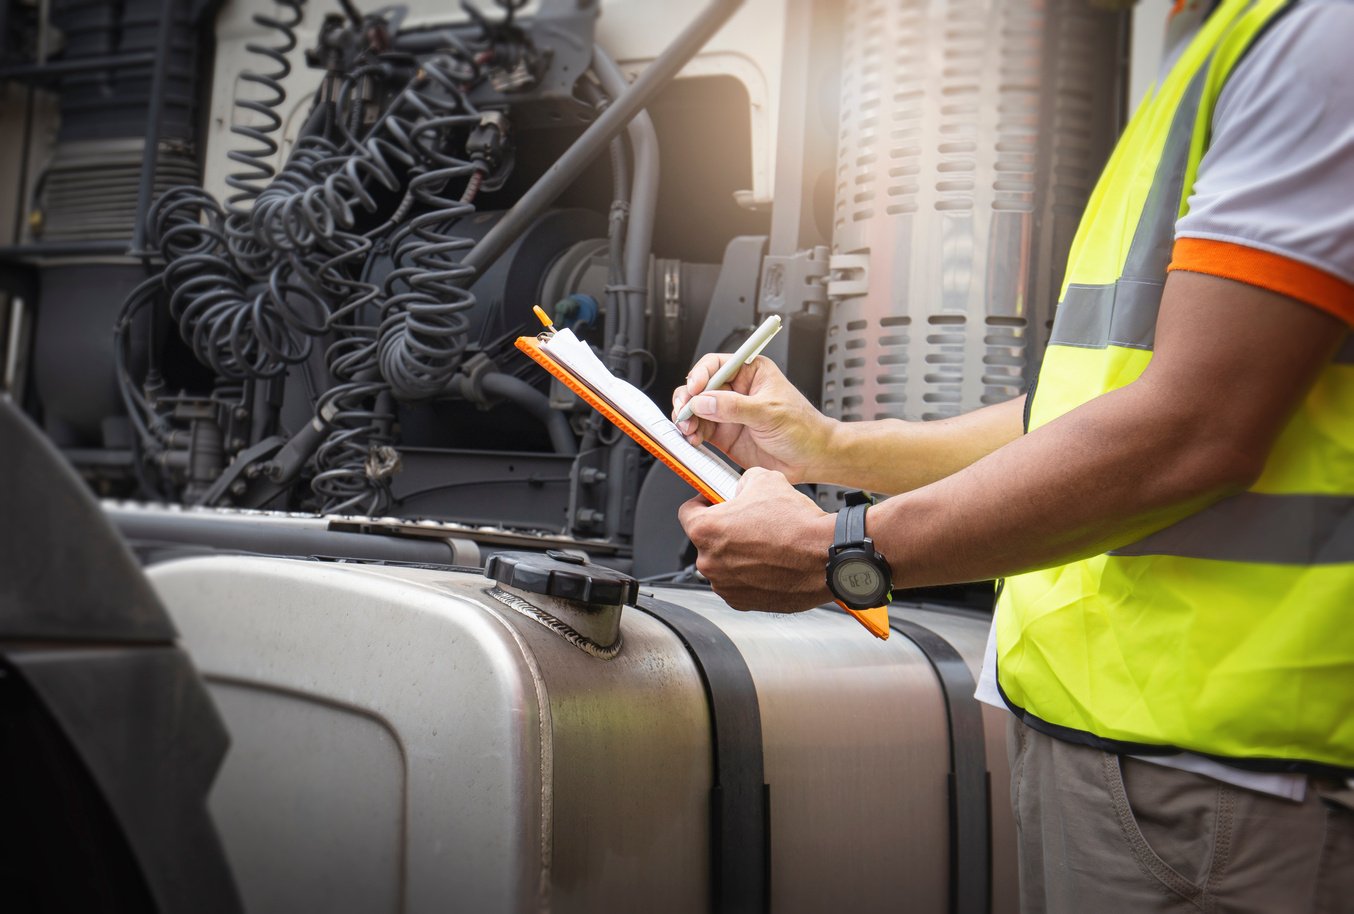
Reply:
x=632, y=403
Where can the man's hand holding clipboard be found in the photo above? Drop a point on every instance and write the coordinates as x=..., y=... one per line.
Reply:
x=756, y=493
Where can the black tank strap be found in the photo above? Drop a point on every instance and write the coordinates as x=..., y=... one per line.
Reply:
x=740, y=800
x=969, y=780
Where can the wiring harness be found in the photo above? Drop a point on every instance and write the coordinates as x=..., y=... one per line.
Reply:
x=393, y=154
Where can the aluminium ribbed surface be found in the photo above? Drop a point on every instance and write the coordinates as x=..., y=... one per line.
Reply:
x=90, y=189
x=972, y=132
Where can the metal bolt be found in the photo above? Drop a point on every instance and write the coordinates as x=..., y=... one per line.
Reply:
x=591, y=476
x=589, y=517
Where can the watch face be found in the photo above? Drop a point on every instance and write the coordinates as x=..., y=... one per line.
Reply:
x=859, y=580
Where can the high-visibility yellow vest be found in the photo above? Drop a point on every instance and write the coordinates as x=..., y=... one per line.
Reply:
x=1231, y=632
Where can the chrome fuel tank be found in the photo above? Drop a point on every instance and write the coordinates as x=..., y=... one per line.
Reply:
x=413, y=739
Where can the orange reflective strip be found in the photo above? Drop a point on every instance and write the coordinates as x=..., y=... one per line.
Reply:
x=1274, y=272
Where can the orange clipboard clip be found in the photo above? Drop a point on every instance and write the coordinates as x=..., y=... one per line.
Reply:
x=876, y=621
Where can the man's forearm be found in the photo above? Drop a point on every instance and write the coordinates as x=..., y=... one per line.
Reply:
x=1232, y=364
x=891, y=456
x=1101, y=476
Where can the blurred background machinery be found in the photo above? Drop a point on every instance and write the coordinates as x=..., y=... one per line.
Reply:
x=265, y=263
x=317, y=231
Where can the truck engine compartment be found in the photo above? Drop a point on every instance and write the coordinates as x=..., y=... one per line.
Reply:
x=334, y=334
x=329, y=327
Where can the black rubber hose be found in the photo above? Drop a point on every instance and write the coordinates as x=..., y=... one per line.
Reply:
x=538, y=404
x=618, y=217
x=643, y=211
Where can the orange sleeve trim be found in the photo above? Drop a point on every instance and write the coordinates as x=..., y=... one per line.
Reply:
x=1306, y=283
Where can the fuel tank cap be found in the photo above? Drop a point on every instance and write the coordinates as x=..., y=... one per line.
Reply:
x=562, y=575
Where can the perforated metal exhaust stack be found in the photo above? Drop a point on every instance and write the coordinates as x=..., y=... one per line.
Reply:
x=972, y=132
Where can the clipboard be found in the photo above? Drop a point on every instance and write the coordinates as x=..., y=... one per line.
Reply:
x=532, y=347
x=876, y=621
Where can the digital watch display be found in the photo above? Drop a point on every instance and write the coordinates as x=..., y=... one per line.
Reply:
x=857, y=574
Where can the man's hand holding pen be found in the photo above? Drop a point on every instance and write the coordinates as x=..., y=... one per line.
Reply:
x=764, y=549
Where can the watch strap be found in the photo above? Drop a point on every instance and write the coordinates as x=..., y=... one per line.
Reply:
x=850, y=526
x=857, y=497
x=839, y=535
x=855, y=523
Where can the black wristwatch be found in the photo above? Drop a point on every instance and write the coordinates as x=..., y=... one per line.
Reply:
x=857, y=574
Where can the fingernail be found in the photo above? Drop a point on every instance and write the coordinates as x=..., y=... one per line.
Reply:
x=684, y=426
x=703, y=406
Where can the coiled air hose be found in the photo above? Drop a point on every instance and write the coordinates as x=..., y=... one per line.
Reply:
x=255, y=159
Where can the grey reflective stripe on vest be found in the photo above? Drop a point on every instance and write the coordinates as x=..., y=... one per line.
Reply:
x=1121, y=314
x=1261, y=529
x=1250, y=527
x=1124, y=313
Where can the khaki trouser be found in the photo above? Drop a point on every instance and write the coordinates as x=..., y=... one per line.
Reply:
x=1103, y=833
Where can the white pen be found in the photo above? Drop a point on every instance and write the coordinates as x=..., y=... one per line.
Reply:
x=745, y=354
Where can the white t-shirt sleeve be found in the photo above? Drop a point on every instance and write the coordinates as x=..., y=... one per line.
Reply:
x=1278, y=175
